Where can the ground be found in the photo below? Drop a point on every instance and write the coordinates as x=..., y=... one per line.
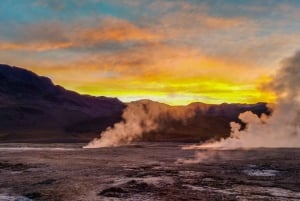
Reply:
x=146, y=171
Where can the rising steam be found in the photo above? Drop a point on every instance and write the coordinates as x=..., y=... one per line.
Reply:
x=139, y=117
x=282, y=128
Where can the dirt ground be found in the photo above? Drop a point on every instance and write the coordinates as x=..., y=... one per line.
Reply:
x=148, y=171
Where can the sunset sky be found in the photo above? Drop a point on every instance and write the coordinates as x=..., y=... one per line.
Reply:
x=175, y=52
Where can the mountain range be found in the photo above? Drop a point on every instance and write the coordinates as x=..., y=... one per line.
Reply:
x=33, y=109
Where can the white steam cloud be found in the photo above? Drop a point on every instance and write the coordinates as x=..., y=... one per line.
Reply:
x=139, y=117
x=282, y=128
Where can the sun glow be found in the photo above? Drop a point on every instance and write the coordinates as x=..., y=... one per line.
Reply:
x=188, y=78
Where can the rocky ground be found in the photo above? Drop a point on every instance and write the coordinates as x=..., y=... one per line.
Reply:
x=151, y=171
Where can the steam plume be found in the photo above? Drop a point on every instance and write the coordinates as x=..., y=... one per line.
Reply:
x=282, y=128
x=139, y=117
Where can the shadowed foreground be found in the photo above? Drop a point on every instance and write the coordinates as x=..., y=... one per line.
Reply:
x=146, y=172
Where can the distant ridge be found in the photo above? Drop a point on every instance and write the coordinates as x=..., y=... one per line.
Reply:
x=33, y=109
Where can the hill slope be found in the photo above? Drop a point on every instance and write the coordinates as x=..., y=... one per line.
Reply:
x=33, y=108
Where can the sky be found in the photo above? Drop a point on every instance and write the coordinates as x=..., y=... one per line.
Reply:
x=176, y=52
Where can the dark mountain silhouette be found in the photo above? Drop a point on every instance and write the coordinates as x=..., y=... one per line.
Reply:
x=33, y=109
x=201, y=121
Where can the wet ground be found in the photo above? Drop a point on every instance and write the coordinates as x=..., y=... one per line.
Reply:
x=150, y=171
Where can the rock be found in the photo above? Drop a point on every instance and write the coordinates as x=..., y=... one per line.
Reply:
x=113, y=192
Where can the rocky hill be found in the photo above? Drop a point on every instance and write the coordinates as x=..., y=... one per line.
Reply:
x=32, y=108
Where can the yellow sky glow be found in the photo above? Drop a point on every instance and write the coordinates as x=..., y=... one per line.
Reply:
x=202, y=80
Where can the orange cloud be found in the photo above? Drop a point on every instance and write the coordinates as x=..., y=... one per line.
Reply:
x=39, y=47
x=54, y=35
x=111, y=29
x=183, y=20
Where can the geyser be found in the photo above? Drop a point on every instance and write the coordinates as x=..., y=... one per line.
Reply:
x=138, y=118
x=282, y=127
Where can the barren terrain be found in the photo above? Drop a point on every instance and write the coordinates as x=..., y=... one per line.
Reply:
x=148, y=171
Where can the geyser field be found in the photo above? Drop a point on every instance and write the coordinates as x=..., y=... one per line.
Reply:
x=146, y=171
x=149, y=100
